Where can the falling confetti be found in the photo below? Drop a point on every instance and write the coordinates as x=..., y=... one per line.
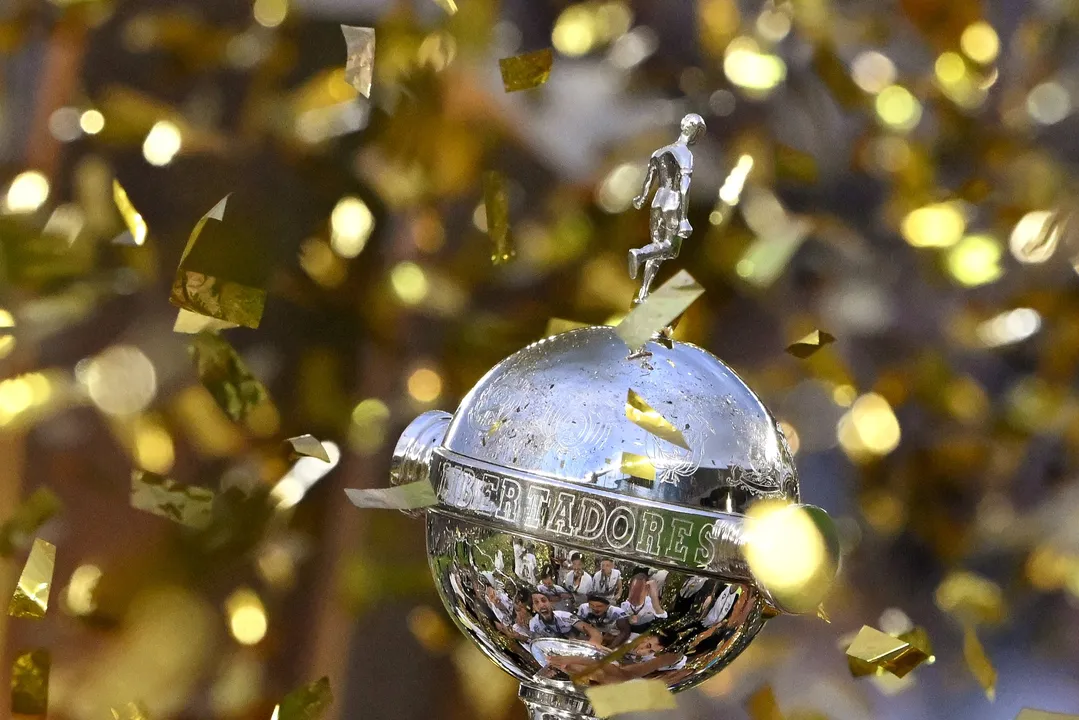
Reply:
x=762, y=705
x=810, y=344
x=873, y=650
x=979, y=664
x=660, y=309
x=225, y=375
x=131, y=711
x=823, y=614
x=643, y=415
x=309, y=446
x=970, y=598
x=185, y=504
x=412, y=496
x=31, y=597
x=306, y=703
x=524, y=72
x=360, y=65
x=637, y=466
x=190, y=323
x=30, y=683
x=496, y=205
x=216, y=276
x=448, y=5
x=610, y=658
x=136, y=226
x=632, y=696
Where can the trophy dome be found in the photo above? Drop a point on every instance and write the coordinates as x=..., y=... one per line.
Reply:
x=557, y=408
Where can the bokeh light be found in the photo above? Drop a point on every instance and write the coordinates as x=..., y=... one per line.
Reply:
x=120, y=381
x=790, y=553
x=351, y=224
x=752, y=69
x=247, y=616
x=898, y=109
x=27, y=192
x=162, y=143
x=980, y=43
x=409, y=282
x=7, y=336
x=425, y=385
x=938, y=225
x=869, y=429
x=92, y=122
x=975, y=260
x=1035, y=237
x=873, y=71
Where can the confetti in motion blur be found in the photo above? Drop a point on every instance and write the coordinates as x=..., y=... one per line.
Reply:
x=401, y=194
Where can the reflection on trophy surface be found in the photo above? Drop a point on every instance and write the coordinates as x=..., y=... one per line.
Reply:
x=567, y=570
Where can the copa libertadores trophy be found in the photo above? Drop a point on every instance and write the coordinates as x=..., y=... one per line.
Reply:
x=549, y=553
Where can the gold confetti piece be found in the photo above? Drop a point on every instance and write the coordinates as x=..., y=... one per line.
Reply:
x=557, y=326
x=276, y=713
x=610, y=658
x=810, y=344
x=918, y=638
x=873, y=651
x=638, y=466
x=306, y=703
x=309, y=446
x=524, y=72
x=191, y=323
x=496, y=205
x=448, y=5
x=219, y=276
x=823, y=614
x=360, y=66
x=28, y=517
x=225, y=375
x=31, y=597
x=979, y=664
x=185, y=504
x=1030, y=714
x=659, y=310
x=762, y=705
x=136, y=226
x=632, y=696
x=643, y=415
x=970, y=598
x=412, y=496
x=131, y=711
x=30, y=683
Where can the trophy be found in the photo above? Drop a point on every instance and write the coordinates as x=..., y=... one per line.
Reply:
x=567, y=567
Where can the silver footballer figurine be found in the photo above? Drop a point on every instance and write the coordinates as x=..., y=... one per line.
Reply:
x=549, y=555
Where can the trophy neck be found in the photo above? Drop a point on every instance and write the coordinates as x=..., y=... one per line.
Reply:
x=548, y=704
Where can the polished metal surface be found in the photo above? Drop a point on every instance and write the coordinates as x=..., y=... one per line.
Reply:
x=486, y=578
x=670, y=168
x=557, y=409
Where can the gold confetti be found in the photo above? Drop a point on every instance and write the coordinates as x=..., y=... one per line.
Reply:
x=131, y=711
x=496, y=205
x=309, y=446
x=918, y=638
x=306, y=703
x=762, y=705
x=31, y=597
x=185, y=504
x=643, y=415
x=610, y=658
x=30, y=683
x=412, y=496
x=28, y=517
x=873, y=651
x=448, y=5
x=632, y=696
x=823, y=614
x=360, y=65
x=970, y=598
x=638, y=466
x=218, y=275
x=225, y=375
x=810, y=344
x=979, y=664
x=557, y=326
x=659, y=310
x=524, y=72
x=1029, y=714
x=136, y=226
x=191, y=323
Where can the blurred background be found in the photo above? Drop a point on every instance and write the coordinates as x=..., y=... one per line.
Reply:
x=911, y=193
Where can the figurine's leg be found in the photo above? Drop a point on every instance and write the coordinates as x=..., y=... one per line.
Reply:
x=651, y=267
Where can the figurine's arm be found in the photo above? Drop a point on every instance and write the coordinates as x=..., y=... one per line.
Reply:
x=649, y=178
x=683, y=206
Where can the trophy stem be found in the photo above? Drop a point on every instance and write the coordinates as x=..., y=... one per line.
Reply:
x=546, y=704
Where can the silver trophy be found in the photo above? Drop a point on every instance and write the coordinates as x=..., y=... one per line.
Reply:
x=551, y=557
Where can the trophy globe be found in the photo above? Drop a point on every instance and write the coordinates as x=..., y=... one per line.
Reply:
x=595, y=520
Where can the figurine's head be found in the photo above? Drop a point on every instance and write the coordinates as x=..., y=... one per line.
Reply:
x=692, y=128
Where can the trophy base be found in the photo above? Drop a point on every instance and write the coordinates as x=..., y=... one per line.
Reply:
x=544, y=704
